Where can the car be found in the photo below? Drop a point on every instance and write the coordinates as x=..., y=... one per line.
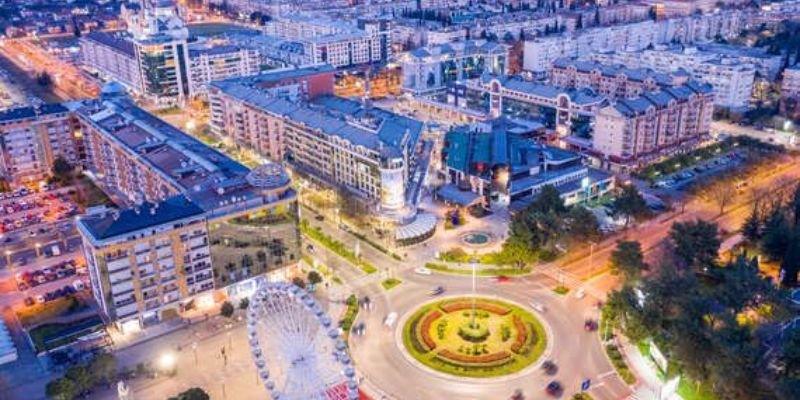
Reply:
x=589, y=325
x=502, y=279
x=78, y=285
x=360, y=329
x=437, y=291
x=29, y=301
x=310, y=248
x=40, y=299
x=390, y=319
x=319, y=217
x=580, y=293
x=344, y=227
x=553, y=388
x=549, y=367
x=422, y=271
x=537, y=306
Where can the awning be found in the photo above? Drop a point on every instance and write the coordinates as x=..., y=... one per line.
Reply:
x=422, y=225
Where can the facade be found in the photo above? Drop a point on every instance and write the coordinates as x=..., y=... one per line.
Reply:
x=207, y=64
x=790, y=86
x=197, y=223
x=31, y=138
x=114, y=58
x=562, y=109
x=540, y=52
x=501, y=162
x=731, y=77
x=334, y=43
x=635, y=132
x=429, y=69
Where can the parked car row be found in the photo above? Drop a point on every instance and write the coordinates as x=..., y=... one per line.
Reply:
x=64, y=269
x=690, y=173
x=68, y=290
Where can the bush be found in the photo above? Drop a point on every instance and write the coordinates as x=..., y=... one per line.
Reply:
x=192, y=394
x=299, y=282
x=244, y=303
x=227, y=309
x=474, y=334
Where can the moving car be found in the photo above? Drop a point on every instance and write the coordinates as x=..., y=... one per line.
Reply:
x=553, y=388
x=549, y=367
x=390, y=319
x=422, y=271
x=589, y=325
x=437, y=291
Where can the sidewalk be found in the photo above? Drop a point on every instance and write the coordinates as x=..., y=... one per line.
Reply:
x=649, y=384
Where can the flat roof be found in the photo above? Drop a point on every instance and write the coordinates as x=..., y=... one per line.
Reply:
x=18, y=113
x=114, y=223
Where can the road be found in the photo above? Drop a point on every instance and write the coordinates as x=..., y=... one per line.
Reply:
x=787, y=139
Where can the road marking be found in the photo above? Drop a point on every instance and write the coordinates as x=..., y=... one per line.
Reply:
x=606, y=374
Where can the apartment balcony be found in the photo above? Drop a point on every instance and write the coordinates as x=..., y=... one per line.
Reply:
x=147, y=285
x=127, y=311
x=152, y=305
x=122, y=287
x=118, y=264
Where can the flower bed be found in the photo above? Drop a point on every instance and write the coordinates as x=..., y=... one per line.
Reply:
x=502, y=338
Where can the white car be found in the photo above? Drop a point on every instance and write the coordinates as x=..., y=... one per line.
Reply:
x=422, y=271
x=580, y=293
x=537, y=306
x=390, y=319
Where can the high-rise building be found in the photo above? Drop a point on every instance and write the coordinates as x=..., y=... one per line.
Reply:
x=432, y=68
x=194, y=222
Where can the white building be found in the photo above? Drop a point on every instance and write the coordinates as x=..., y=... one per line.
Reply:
x=432, y=68
x=790, y=86
x=207, y=64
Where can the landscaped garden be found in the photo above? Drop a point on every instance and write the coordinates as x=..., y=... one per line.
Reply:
x=498, y=338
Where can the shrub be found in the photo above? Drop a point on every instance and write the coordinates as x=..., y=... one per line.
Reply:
x=244, y=303
x=441, y=328
x=474, y=334
x=227, y=309
x=505, y=332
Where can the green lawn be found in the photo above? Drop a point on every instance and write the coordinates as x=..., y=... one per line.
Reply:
x=562, y=290
x=39, y=313
x=51, y=336
x=445, y=331
x=481, y=271
x=388, y=284
x=336, y=247
x=689, y=391
x=618, y=361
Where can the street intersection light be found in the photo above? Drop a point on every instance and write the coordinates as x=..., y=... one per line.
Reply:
x=167, y=362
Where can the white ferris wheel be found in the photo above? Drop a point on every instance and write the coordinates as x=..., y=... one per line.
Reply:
x=296, y=346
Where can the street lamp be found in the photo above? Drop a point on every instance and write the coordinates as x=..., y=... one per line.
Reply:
x=167, y=363
x=38, y=249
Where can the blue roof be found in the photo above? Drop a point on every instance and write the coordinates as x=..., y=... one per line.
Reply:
x=147, y=215
x=13, y=114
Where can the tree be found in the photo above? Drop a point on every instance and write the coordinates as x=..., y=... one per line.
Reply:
x=244, y=303
x=631, y=204
x=628, y=259
x=61, y=389
x=104, y=367
x=583, y=225
x=81, y=378
x=192, y=394
x=776, y=234
x=721, y=193
x=790, y=354
x=751, y=229
x=43, y=79
x=791, y=260
x=227, y=309
x=548, y=200
x=695, y=244
x=314, y=277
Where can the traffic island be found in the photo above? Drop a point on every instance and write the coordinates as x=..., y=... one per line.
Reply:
x=476, y=339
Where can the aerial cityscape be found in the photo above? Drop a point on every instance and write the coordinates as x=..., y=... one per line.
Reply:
x=400, y=199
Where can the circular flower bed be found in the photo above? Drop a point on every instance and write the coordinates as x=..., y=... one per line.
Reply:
x=498, y=339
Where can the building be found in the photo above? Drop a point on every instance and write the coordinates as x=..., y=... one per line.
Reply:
x=731, y=77
x=635, y=132
x=790, y=86
x=197, y=224
x=540, y=52
x=611, y=81
x=561, y=109
x=433, y=68
x=330, y=42
x=499, y=163
x=31, y=138
x=237, y=106
x=113, y=58
x=213, y=63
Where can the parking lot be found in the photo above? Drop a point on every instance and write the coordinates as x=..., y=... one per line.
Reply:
x=685, y=176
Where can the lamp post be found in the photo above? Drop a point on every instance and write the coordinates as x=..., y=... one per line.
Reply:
x=38, y=250
x=474, y=262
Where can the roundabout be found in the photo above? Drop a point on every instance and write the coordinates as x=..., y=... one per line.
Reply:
x=473, y=337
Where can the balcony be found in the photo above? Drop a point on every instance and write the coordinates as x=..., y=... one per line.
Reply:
x=122, y=287
x=127, y=310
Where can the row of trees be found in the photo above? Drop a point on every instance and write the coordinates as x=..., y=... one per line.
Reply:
x=774, y=226
x=711, y=320
x=548, y=226
x=81, y=379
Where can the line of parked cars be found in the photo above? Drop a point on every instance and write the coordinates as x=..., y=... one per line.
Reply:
x=68, y=290
x=689, y=173
x=64, y=269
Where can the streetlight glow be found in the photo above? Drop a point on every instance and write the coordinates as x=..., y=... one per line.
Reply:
x=167, y=361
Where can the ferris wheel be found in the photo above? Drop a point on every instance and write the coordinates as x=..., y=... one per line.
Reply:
x=296, y=347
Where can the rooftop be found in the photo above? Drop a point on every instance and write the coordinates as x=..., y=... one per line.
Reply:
x=18, y=113
x=107, y=225
x=116, y=42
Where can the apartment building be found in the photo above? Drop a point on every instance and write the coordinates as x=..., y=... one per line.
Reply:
x=113, y=58
x=790, y=86
x=611, y=81
x=193, y=224
x=499, y=163
x=731, y=77
x=335, y=141
x=329, y=42
x=32, y=137
x=540, y=52
x=433, y=68
x=634, y=132
x=213, y=63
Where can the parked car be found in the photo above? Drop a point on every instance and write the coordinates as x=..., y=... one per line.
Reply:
x=553, y=389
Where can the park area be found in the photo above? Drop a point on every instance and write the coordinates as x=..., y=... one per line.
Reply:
x=492, y=338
